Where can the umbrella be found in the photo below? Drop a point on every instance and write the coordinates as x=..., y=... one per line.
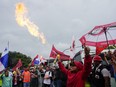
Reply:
x=100, y=37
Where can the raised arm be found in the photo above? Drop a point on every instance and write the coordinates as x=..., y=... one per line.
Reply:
x=61, y=66
x=87, y=63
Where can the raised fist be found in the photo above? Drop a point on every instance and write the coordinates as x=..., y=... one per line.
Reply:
x=87, y=50
x=58, y=56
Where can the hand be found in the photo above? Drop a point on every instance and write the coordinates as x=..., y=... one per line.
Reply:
x=58, y=57
x=87, y=51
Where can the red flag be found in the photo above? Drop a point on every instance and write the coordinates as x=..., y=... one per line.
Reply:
x=32, y=63
x=54, y=53
x=99, y=49
x=18, y=65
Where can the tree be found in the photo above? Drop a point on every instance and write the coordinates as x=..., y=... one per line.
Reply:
x=15, y=56
x=111, y=47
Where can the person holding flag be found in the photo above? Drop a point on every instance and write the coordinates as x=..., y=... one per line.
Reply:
x=78, y=73
x=17, y=77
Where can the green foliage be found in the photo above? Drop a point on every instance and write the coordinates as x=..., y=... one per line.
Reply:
x=112, y=47
x=15, y=56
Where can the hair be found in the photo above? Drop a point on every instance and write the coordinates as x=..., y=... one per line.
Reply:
x=72, y=64
x=102, y=55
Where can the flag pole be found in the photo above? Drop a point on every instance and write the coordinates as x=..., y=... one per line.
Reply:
x=106, y=38
x=8, y=44
x=48, y=61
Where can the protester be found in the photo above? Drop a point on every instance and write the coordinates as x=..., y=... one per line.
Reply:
x=26, y=78
x=107, y=63
x=57, y=77
x=100, y=76
x=15, y=79
x=47, y=77
x=41, y=73
x=10, y=71
x=0, y=80
x=34, y=78
x=6, y=79
x=113, y=62
x=19, y=76
x=78, y=72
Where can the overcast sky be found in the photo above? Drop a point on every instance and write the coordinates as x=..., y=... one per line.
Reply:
x=59, y=20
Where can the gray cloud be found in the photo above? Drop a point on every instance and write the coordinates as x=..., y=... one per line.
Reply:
x=59, y=20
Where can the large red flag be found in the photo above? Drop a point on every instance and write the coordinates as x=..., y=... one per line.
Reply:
x=54, y=53
x=18, y=65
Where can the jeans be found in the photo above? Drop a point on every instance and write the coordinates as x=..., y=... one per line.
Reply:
x=58, y=83
x=46, y=85
x=26, y=84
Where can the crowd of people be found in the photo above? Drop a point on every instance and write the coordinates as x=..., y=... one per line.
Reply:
x=96, y=71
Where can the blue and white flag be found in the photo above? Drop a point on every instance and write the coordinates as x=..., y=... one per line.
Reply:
x=37, y=61
x=4, y=59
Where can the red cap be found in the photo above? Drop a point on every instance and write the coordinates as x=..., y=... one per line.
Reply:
x=79, y=65
x=97, y=58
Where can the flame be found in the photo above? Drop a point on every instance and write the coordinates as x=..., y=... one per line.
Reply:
x=23, y=20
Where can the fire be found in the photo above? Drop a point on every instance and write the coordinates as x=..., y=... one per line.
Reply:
x=23, y=20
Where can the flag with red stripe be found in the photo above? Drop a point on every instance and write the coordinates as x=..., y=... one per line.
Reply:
x=18, y=65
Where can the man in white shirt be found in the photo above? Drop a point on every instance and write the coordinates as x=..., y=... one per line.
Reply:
x=47, y=77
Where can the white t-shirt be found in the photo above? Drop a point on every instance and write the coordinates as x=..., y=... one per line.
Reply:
x=47, y=81
x=10, y=74
x=105, y=73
